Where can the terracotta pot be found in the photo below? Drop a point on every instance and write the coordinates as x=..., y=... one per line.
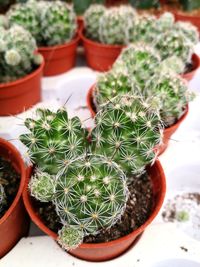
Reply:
x=18, y=96
x=168, y=132
x=99, y=56
x=196, y=64
x=60, y=58
x=15, y=222
x=187, y=17
x=109, y=250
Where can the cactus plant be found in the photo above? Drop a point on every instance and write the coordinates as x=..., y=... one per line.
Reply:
x=89, y=193
x=92, y=18
x=189, y=30
x=140, y=61
x=54, y=139
x=189, y=5
x=17, y=53
x=165, y=22
x=2, y=198
x=127, y=131
x=171, y=94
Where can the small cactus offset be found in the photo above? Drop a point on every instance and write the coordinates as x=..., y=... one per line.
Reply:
x=2, y=198
x=189, y=30
x=58, y=23
x=140, y=61
x=17, y=53
x=127, y=131
x=92, y=18
x=171, y=94
x=89, y=193
x=111, y=84
x=54, y=139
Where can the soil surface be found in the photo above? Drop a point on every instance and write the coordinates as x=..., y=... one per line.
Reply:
x=137, y=211
x=10, y=180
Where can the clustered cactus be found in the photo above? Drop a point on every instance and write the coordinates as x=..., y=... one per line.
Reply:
x=87, y=179
x=17, y=53
x=51, y=23
x=2, y=198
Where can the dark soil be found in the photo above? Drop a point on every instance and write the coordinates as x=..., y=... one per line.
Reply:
x=189, y=68
x=10, y=180
x=137, y=211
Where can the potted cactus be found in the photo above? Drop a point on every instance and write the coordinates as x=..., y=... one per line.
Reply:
x=12, y=212
x=54, y=26
x=105, y=34
x=185, y=10
x=89, y=183
x=21, y=71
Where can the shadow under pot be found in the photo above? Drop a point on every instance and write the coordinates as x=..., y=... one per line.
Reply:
x=168, y=132
x=59, y=58
x=22, y=94
x=100, y=56
x=14, y=222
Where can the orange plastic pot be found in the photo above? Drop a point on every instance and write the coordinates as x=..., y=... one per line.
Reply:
x=196, y=64
x=183, y=16
x=168, y=132
x=112, y=249
x=99, y=56
x=60, y=58
x=18, y=96
x=15, y=222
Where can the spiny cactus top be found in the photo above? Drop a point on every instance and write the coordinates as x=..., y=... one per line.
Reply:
x=17, y=53
x=92, y=18
x=190, y=5
x=165, y=22
x=111, y=84
x=90, y=193
x=58, y=23
x=174, y=42
x=2, y=198
x=140, y=60
x=127, y=131
x=171, y=94
x=189, y=30
x=54, y=139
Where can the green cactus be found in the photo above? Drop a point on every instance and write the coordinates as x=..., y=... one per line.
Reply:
x=92, y=18
x=90, y=193
x=2, y=198
x=140, y=61
x=17, y=53
x=171, y=94
x=165, y=22
x=27, y=16
x=54, y=139
x=189, y=5
x=58, y=23
x=174, y=42
x=111, y=84
x=145, y=4
x=173, y=64
x=127, y=131
x=189, y=30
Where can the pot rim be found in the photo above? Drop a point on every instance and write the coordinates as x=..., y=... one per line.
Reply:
x=61, y=46
x=37, y=220
x=25, y=78
x=100, y=45
x=11, y=148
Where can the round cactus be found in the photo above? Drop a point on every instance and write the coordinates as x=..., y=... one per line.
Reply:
x=172, y=96
x=58, y=23
x=92, y=18
x=111, y=84
x=175, y=43
x=25, y=15
x=127, y=131
x=90, y=193
x=141, y=61
x=165, y=22
x=173, y=63
x=2, y=198
x=54, y=139
x=17, y=52
x=189, y=30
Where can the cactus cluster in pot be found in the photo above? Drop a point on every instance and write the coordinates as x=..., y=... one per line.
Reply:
x=17, y=53
x=51, y=23
x=87, y=179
